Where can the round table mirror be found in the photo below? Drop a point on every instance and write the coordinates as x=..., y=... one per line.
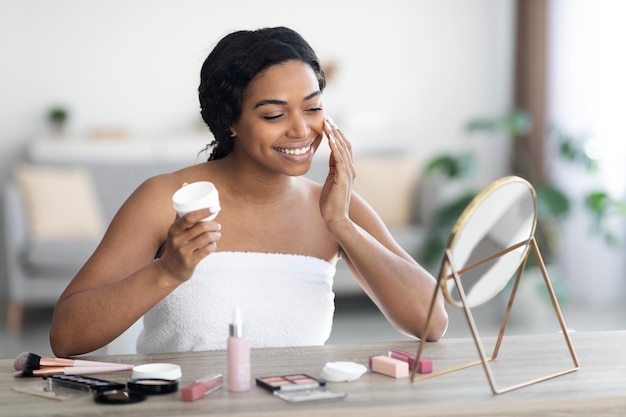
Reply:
x=489, y=241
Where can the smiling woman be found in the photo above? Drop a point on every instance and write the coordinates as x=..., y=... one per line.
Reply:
x=272, y=249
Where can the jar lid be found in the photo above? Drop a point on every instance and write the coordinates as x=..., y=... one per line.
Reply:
x=157, y=371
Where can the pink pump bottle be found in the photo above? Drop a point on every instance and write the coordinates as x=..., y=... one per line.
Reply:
x=238, y=354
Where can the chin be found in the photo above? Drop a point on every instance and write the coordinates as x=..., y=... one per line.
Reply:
x=302, y=169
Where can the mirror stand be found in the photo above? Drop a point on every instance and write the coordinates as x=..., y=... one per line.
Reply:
x=484, y=360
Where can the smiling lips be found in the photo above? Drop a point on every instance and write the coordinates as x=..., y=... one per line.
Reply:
x=299, y=151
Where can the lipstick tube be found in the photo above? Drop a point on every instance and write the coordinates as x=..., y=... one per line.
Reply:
x=424, y=366
x=201, y=387
x=403, y=356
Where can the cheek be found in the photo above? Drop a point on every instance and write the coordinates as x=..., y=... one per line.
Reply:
x=318, y=123
x=318, y=127
x=323, y=115
x=319, y=130
x=257, y=132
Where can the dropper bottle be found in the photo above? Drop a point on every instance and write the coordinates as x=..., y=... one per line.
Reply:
x=238, y=355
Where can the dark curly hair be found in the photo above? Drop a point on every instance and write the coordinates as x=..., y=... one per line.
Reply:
x=233, y=63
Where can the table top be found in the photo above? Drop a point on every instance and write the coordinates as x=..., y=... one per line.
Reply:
x=597, y=388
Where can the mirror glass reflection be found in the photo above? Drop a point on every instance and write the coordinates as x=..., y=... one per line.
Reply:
x=500, y=220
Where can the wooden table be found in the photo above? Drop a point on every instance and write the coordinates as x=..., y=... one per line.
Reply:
x=598, y=388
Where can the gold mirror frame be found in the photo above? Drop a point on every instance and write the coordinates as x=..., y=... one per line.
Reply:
x=494, y=233
x=448, y=264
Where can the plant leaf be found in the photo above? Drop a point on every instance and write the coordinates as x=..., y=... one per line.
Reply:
x=516, y=122
x=597, y=203
x=572, y=150
x=449, y=213
x=452, y=165
x=552, y=203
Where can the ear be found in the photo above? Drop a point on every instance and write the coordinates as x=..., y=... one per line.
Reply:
x=233, y=132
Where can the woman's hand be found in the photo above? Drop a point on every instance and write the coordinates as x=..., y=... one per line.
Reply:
x=337, y=189
x=189, y=240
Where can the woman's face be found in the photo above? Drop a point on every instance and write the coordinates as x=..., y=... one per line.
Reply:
x=281, y=122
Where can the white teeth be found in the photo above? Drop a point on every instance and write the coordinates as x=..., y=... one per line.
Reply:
x=299, y=151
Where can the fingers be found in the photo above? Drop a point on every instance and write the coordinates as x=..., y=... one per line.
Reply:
x=196, y=236
x=341, y=148
x=339, y=137
x=190, y=240
x=198, y=215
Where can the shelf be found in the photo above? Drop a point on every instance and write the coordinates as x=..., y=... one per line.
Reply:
x=184, y=149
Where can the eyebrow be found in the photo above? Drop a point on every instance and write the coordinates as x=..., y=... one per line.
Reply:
x=282, y=102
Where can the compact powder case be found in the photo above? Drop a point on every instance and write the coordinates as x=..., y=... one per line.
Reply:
x=136, y=391
x=152, y=386
x=119, y=396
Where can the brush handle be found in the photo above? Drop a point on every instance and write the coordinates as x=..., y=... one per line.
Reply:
x=77, y=363
x=80, y=362
x=55, y=362
x=79, y=370
x=83, y=370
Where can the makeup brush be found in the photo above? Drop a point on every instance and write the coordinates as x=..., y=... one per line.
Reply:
x=70, y=370
x=27, y=361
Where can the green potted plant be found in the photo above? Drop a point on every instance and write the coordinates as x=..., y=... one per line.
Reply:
x=57, y=116
x=553, y=202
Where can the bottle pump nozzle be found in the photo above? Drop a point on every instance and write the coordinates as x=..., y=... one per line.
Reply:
x=236, y=327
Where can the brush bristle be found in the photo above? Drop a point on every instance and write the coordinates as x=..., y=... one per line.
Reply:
x=27, y=361
x=24, y=374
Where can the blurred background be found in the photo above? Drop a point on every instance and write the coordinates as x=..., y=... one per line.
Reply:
x=439, y=98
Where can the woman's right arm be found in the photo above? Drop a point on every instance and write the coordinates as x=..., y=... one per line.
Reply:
x=121, y=281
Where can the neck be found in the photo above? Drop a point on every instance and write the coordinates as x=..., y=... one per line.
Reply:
x=251, y=185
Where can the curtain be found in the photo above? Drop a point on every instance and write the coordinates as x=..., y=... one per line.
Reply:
x=531, y=83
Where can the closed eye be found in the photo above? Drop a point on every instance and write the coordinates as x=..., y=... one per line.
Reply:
x=278, y=116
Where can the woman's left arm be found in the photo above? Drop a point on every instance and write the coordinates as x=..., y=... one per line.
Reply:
x=400, y=287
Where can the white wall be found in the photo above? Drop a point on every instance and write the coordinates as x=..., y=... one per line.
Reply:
x=409, y=70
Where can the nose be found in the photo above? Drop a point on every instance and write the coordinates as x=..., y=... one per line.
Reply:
x=298, y=128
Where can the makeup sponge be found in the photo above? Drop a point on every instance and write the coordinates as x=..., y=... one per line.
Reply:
x=389, y=366
x=342, y=371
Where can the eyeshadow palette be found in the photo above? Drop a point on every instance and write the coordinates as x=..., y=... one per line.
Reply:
x=297, y=388
x=290, y=382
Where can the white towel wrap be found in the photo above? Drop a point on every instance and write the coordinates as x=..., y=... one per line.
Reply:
x=286, y=300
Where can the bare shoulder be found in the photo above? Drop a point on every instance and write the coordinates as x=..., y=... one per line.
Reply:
x=164, y=185
x=151, y=202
